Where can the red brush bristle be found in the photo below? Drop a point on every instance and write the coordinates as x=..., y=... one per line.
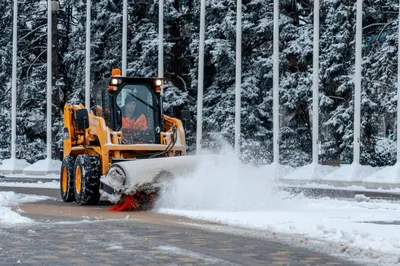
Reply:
x=128, y=204
x=136, y=202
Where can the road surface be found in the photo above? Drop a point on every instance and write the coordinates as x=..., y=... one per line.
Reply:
x=68, y=234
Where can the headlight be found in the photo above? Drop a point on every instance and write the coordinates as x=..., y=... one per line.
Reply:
x=158, y=82
x=114, y=81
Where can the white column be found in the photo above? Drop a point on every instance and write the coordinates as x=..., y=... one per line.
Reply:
x=357, y=92
x=238, y=92
x=199, y=130
x=124, y=35
x=14, y=83
x=276, y=82
x=315, y=113
x=398, y=93
x=49, y=76
x=161, y=39
x=87, y=72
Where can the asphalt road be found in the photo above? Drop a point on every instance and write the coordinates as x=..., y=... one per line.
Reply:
x=68, y=234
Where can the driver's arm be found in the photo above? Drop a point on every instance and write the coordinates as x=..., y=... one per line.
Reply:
x=140, y=123
x=126, y=123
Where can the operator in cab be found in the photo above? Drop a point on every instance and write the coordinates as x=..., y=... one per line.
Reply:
x=131, y=118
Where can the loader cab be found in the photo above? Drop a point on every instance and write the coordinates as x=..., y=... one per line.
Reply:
x=131, y=105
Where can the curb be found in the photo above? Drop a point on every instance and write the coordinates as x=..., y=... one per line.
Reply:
x=342, y=193
x=27, y=179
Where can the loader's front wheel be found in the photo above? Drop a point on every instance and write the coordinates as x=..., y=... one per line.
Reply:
x=67, y=179
x=87, y=179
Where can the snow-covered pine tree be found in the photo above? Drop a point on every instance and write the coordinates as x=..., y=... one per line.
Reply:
x=379, y=83
x=31, y=101
x=219, y=69
x=106, y=38
x=337, y=49
x=257, y=31
x=180, y=70
x=74, y=57
x=5, y=77
x=143, y=48
x=296, y=38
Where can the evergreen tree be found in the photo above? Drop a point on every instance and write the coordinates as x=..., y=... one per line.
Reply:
x=379, y=86
x=337, y=47
x=5, y=77
x=181, y=51
x=296, y=82
x=32, y=58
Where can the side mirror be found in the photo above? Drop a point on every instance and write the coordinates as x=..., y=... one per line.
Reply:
x=185, y=115
x=82, y=119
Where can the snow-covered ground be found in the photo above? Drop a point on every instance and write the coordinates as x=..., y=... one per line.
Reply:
x=238, y=195
x=235, y=194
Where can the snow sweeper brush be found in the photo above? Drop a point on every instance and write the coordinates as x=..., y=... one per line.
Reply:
x=135, y=185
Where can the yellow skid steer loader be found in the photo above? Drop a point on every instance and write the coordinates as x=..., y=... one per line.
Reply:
x=124, y=146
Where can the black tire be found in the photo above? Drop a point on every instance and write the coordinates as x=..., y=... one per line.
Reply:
x=87, y=179
x=67, y=180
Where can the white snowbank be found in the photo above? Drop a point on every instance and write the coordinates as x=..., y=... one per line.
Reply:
x=44, y=167
x=386, y=178
x=10, y=199
x=13, y=166
x=313, y=171
x=53, y=184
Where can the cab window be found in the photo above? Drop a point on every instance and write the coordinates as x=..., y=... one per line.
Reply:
x=101, y=105
x=137, y=114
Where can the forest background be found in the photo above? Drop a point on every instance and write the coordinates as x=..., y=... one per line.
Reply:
x=337, y=57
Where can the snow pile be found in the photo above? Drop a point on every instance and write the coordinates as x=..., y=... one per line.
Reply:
x=313, y=171
x=388, y=177
x=39, y=184
x=44, y=167
x=13, y=166
x=241, y=195
x=10, y=199
x=350, y=174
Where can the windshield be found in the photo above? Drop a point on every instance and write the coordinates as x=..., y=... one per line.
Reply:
x=137, y=112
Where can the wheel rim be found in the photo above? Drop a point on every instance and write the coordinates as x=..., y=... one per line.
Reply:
x=78, y=179
x=64, y=180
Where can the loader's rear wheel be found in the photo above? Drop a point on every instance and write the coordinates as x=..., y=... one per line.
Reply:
x=67, y=179
x=87, y=179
